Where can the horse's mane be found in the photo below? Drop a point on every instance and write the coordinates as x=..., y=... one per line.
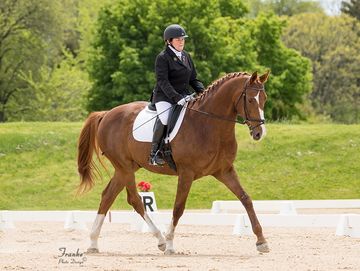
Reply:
x=219, y=82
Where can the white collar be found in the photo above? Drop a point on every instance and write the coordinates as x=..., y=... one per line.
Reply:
x=177, y=53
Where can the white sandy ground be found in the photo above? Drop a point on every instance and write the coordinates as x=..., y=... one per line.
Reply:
x=35, y=246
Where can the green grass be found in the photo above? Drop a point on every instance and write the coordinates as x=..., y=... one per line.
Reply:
x=38, y=167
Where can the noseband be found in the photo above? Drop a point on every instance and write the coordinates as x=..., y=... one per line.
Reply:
x=247, y=115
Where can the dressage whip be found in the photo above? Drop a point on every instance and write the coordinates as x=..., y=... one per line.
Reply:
x=153, y=117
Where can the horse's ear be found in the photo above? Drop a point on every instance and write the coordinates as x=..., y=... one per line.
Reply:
x=253, y=77
x=263, y=78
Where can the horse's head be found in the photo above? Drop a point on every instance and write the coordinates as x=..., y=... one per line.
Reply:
x=250, y=104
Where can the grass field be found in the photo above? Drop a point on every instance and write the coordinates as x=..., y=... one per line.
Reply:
x=38, y=167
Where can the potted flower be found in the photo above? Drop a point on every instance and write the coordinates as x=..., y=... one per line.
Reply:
x=144, y=186
x=147, y=197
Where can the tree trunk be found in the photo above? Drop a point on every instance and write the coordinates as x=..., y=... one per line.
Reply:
x=2, y=115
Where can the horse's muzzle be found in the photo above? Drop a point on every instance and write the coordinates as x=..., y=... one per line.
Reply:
x=258, y=132
x=256, y=136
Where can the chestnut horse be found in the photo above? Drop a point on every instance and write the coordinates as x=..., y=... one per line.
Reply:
x=205, y=145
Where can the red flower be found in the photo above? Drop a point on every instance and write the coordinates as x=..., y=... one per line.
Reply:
x=144, y=186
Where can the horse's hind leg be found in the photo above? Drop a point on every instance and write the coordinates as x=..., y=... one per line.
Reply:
x=134, y=200
x=183, y=189
x=230, y=179
x=109, y=194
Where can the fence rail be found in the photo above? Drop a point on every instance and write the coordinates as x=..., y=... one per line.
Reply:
x=284, y=206
x=345, y=224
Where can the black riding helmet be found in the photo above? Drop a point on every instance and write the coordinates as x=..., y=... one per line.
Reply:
x=174, y=31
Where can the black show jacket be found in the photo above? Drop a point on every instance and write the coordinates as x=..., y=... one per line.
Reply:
x=173, y=77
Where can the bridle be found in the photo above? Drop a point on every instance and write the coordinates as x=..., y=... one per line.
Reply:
x=247, y=119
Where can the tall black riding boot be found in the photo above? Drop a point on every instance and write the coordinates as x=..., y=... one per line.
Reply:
x=159, y=129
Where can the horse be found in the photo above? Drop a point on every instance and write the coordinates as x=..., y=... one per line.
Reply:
x=205, y=145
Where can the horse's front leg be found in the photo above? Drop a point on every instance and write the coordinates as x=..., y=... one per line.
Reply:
x=183, y=188
x=230, y=179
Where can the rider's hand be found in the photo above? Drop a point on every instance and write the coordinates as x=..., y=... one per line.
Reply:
x=189, y=98
x=182, y=101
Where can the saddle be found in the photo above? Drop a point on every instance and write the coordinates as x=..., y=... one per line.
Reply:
x=143, y=128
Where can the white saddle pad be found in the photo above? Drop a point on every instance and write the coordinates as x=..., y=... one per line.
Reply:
x=144, y=125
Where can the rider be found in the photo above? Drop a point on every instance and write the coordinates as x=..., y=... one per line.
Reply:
x=175, y=71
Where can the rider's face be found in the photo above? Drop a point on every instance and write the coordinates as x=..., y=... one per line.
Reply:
x=178, y=43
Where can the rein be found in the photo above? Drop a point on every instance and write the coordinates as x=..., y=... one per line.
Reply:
x=216, y=116
x=247, y=118
x=246, y=121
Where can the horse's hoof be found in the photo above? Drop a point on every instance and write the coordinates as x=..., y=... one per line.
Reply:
x=263, y=248
x=170, y=251
x=92, y=250
x=162, y=247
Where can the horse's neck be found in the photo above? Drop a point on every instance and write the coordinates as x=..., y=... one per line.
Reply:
x=219, y=104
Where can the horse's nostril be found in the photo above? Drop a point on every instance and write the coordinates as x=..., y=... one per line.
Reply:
x=257, y=135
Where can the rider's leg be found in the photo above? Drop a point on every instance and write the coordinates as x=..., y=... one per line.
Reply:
x=162, y=109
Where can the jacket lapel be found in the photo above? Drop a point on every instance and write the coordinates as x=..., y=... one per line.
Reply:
x=175, y=58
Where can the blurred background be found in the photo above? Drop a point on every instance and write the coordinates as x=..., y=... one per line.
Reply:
x=60, y=60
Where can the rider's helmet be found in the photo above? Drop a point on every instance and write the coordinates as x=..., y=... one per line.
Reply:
x=174, y=31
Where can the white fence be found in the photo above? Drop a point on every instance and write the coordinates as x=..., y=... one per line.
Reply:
x=284, y=206
x=345, y=224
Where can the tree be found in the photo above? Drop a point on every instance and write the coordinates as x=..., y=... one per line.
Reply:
x=340, y=83
x=38, y=77
x=332, y=44
x=351, y=8
x=221, y=40
x=129, y=37
x=290, y=72
x=283, y=7
x=292, y=7
x=28, y=28
x=59, y=93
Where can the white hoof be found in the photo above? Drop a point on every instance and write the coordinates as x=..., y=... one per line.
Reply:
x=92, y=250
x=170, y=251
x=263, y=248
x=162, y=246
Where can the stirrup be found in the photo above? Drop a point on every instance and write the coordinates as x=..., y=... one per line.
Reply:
x=156, y=161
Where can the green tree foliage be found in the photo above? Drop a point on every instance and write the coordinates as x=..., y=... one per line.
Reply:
x=291, y=74
x=283, y=7
x=79, y=21
x=39, y=79
x=351, y=8
x=293, y=7
x=29, y=32
x=59, y=93
x=333, y=46
x=129, y=36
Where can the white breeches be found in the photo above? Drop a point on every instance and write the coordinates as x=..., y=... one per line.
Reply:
x=163, y=110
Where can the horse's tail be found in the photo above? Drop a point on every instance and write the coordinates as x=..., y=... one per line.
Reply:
x=87, y=145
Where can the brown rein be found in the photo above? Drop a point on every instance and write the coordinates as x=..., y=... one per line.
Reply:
x=247, y=119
